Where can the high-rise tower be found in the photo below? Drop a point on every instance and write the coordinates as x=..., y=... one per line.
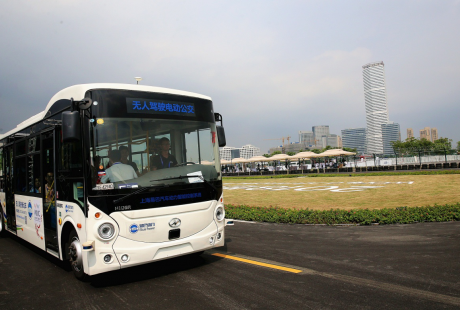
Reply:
x=410, y=133
x=375, y=97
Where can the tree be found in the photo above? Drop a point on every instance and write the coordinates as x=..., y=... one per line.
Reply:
x=399, y=147
x=349, y=149
x=443, y=144
x=458, y=146
x=290, y=153
x=274, y=153
x=316, y=151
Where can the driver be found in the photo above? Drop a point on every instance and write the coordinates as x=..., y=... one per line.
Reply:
x=163, y=159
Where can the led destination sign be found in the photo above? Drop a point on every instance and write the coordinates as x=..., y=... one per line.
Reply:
x=148, y=106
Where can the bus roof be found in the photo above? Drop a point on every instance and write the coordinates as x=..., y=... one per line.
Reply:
x=78, y=92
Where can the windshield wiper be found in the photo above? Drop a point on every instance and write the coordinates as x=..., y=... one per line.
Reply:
x=187, y=177
x=143, y=189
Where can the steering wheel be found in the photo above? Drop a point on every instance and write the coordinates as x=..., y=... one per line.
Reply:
x=185, y=163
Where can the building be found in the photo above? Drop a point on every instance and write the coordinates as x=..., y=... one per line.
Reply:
x=307, y=137
x=375, y=97
x=410, y=133
x=434, y=134
x=390, y=133
x=319, y=132
x=425, y=133
x=247, y=151
x=355, y=138
x=333, y=141
x=276, y=149
x=226, y=152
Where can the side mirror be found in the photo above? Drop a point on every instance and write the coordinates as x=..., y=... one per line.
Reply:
x=70, y=126
x=221, y=136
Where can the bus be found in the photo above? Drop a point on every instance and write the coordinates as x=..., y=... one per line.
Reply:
x=111, y=176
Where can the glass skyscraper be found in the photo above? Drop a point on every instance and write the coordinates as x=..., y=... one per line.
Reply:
x=355, y=138
x=319, y=132
x=390, y=132
x=375, y=97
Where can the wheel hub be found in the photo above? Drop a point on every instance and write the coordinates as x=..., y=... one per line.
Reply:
x=75, y=254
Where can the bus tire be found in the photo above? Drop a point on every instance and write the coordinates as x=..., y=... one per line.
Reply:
x=75, y=252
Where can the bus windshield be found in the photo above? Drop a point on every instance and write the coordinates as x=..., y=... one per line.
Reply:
x=131, y=153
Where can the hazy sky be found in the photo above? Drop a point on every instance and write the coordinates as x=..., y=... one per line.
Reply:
x=272, y=67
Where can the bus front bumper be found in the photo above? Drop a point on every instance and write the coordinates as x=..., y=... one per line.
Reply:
x=130, y=253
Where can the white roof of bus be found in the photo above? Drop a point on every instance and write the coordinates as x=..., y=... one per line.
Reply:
x=77, y=92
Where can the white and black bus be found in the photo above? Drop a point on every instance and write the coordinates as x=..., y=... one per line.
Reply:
x=110, y=176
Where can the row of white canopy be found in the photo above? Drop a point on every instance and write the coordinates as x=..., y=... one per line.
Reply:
x=283, y=157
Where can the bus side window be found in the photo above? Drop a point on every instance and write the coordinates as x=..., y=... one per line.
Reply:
x=21, y=174
x=78, y=192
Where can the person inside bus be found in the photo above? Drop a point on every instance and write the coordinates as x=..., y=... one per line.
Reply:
x=124, y=159
x=164, y=159
x=36, y=188
x=118, y=171
x=50, y=203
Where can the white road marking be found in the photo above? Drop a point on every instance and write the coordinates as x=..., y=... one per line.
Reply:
x=318, y=186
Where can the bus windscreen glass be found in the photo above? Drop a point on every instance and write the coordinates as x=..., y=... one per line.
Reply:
x=135, y=152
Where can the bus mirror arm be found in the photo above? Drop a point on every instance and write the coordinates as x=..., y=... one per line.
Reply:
x=83, y=104
x=218, y=118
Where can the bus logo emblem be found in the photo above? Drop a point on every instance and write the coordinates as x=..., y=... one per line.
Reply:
x=175, y=222
x=134, y=228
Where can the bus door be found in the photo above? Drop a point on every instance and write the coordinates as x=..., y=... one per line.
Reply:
x=49, y=191
x=9, y=189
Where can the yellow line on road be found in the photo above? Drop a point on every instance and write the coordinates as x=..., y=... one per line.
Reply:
x=258, y=263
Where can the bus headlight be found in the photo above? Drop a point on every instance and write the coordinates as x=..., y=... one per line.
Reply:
x=106, y=231
x=220, y=213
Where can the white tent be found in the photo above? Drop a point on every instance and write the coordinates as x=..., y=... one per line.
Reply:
x=257, y=158
x=281, y=157
x=335, y=152
x=303, y=155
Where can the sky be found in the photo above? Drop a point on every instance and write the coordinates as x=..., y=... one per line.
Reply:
x=272, y=68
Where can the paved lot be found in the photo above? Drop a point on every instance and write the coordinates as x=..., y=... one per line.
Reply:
x=379, y=267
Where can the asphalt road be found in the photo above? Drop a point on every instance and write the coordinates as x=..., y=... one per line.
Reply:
x=376, y=267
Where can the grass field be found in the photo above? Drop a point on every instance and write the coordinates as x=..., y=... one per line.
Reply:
x=324, y=193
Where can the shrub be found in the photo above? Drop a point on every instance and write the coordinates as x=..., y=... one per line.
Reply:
x=402, y=215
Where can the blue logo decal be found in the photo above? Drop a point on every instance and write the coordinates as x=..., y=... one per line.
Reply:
x=30, y=210
x=133, y=228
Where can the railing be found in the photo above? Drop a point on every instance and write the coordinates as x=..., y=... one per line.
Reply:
x=403, y=163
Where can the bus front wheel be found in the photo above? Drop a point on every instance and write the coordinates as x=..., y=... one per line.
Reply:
x=75, y=251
